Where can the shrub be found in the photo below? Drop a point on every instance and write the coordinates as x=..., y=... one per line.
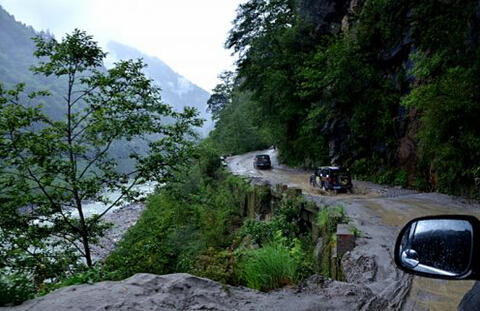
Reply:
x=269, y=267
x=401, y=179
x=184, y=228
x=327, y=220
x=144, y=248
x=216, y=265
x=89, y=276
x=386, y=177
x=361, y=169
x=15, y=288
x=256, y=231
x=286, y=220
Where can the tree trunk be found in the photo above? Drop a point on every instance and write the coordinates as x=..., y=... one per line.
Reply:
x=86, y=247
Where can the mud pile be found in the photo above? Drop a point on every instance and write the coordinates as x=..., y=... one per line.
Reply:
x=187, y=292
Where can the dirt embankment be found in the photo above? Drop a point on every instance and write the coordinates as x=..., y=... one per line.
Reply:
x=186, y=292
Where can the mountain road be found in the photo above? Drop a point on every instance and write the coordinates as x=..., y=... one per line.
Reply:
x=379, y=213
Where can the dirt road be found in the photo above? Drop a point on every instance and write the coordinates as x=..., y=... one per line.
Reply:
x=379, y=212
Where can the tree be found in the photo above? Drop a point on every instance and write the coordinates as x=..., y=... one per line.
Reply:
x=256, y=19
x=222, y=94
x=49, y=167
x=235, y=130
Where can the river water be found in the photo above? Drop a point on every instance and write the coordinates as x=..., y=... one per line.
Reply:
x=92, y=208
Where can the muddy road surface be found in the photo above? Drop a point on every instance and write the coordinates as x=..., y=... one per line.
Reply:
x=379, y=212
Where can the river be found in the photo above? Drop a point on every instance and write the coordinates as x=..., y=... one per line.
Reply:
x=92, y=208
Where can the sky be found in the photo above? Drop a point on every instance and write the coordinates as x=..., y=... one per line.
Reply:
x=188, y=35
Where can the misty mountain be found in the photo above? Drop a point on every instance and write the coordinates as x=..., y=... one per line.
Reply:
x=16, y=49
x=176, y=90
x=16, y=57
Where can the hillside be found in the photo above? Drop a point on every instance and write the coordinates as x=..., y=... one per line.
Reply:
x=388, y=88
x=16, y=57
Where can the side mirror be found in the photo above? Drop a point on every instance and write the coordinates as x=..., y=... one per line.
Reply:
x=446, y=247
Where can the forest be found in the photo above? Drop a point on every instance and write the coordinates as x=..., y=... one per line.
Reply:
x=388, y=88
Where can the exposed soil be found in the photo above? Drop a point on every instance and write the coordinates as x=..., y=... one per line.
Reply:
x=186, y=292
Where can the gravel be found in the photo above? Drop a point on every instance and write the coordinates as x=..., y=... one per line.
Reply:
x=122, y=219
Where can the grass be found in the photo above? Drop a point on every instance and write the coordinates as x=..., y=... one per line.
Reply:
x=269, y=267
x=328, y=218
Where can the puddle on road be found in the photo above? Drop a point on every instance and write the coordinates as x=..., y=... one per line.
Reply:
x=437, y=295
x=398, y=211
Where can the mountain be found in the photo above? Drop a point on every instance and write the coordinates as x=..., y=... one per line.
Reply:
x=176, y=90
x=16, y=57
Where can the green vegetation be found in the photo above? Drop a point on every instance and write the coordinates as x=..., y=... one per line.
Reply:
x=269, y=267
x=15, y=288
x=199, y=226
x=389, y=90
x=187, y=226
x=49, y=167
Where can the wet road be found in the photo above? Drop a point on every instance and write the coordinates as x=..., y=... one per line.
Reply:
x=379, y=212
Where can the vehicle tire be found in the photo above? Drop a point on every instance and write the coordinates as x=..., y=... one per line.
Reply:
x=324, y=188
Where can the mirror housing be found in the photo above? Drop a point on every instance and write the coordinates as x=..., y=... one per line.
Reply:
x=445, y=247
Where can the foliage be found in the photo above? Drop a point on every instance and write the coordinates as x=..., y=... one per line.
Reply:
x=197, y=226
x=15, y=288
x=185, y=226
x=446, y=96
x=222, y=94
x=49, y=167
x=235, y=131
x=269, y=267
x=352, y=89
x=401, y=179
x=450, y=137
x=328, y=218
x=284, y=232
x=286, y=221
x=356, y=232
x=144, y=248
x=310, y=93
x=86, y=276
x=216, y=264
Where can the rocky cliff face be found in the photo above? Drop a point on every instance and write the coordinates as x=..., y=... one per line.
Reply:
x=391, y=60
x=405, y=47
